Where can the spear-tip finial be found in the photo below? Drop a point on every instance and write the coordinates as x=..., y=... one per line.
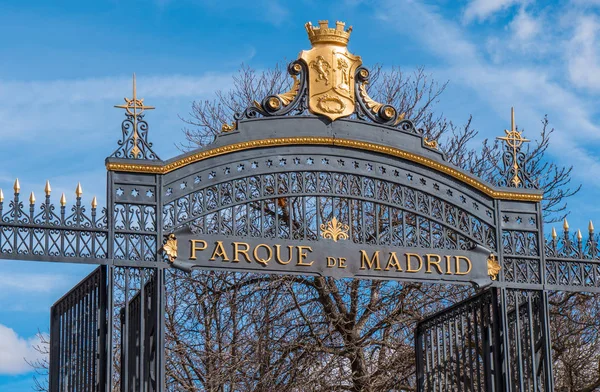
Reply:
x=94, y=202
x=579, y=236
x=1, y=196
x=566, y=225
x=554, y=235
x=591, y=227
x=63, y=200
x=17, y=186
x=32, y=198
x=78, y=190
x=47, y=188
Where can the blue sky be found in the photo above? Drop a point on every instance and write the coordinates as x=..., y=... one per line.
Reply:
x=64, y=64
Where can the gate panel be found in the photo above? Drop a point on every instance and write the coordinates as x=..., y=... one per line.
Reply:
x=78, y=336
x=458, y=349
x=525, y=340
x=138, y=338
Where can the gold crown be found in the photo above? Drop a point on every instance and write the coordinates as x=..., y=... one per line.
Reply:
x=326, y=34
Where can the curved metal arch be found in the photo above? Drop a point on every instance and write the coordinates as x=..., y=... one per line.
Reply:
x=283, y=186
x=274, y=133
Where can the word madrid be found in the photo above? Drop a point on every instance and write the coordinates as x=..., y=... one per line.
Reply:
x=329, y=258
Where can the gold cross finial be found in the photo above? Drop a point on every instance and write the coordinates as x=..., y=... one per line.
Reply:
x=514, y=140
x=134, y=108
x=133, y=105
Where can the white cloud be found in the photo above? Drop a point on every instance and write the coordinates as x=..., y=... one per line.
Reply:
x=11, y=282
x=15, y=351
x=524, y=27
x=483, y=9
x=584, y=69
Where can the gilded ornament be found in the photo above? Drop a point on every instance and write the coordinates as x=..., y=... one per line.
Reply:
x=388, y=113
x=134, y=108
x=288, y=96
x=170, y=247
x=493, y=267
x=334, y=230
x=47, y=188
x=331, y=70
x=514, y=140
x=17, y=186
x=228, y=128
x=63, y=200
x=32, y=198
x=1, y=196
x=326, y=141
x=329, y=104
x=430, y=143
x=274, y=103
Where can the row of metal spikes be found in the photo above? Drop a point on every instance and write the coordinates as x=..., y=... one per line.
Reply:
x=566, y=231
x=47, y=191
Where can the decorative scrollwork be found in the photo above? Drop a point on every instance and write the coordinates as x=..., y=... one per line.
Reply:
x=290, y=102
x=41, y=231
x=368, y=108
x=134, y=142
x=514, y=173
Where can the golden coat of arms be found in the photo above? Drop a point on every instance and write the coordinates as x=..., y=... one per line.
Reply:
x=331, y=70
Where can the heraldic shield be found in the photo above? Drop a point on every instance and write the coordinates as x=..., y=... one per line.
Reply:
x=331, y=70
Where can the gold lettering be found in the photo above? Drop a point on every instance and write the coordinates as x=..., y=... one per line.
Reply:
x=436, y=263
x=331, y=262
x=364, y=259
x=237, y=251
x=278, y=254
x=195, y=248
x=393, y=262
x=458, y=259
x=408, y=266
x=342, y=262
x=302, y=255
x=219, y=252
x=448, y=269
x=259, y=259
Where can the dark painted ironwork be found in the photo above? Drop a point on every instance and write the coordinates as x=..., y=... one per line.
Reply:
x=459, y=349
x=280, y=174
x=139, y=338
x=52, y=233
x=78, y=357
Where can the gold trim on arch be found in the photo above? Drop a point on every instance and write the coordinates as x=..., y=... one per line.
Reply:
x=440, y=167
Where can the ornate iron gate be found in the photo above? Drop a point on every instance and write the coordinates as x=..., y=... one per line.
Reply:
x=78, y=327
x=293, y=187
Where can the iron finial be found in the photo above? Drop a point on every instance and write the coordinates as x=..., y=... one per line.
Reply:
x=94, y=202
x=78, y=190
x=554, y=235
x=579, y=236
x=17, y=186
x=512, y=119
x=31, y=198
x=63, y=200
x=566, y=225
x=47, y=188
x=591, y=227
x=1, y=196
